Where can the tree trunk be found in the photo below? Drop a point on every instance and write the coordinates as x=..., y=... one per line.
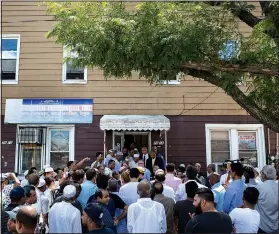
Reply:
x=240, y=98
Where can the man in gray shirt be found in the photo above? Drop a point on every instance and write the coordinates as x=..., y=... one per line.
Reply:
x=268, y=201
x=168, y=204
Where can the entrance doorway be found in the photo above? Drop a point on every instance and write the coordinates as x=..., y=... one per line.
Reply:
x=125, y=139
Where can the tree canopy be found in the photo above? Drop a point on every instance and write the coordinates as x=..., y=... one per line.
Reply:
x=161, y=39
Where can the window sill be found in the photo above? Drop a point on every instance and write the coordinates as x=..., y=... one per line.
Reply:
x=9, y=82
x=75, y=82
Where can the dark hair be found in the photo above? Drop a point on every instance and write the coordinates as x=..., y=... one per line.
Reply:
x=28, y=219
x=98, y=194
x=102, y=181
x=191, y=172
x=134, y=173
x=48, y=180
x=158, y=187
x=248, y=173
x=28, y=189
x=251, y=195
x=98, y=153
x=205, y=194
x=33, y=179
x=170, y=167
x=90, y=174
x=111, y=161
x=160, y=177
x=69, y=163
x=112, y=185
x=78, y=186
x=57, y=170
x=191, y=188
x=31, y=170
x=237, y=168
x=78, y=175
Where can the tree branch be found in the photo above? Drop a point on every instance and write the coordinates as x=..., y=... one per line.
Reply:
x=265, y=7
x=253, y=69
x=240, y=98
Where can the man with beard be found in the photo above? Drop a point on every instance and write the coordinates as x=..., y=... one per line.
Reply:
x=206, y=218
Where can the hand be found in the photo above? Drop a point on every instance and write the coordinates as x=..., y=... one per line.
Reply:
x=115, y=220
x=192, y=215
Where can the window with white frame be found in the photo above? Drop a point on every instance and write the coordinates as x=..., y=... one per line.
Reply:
x=175, y=81
x=10, y=48
x=60, y=147
x=70, y=73
x=235, y=141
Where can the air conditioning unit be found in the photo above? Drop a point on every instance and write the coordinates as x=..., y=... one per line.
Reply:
x=30, y=136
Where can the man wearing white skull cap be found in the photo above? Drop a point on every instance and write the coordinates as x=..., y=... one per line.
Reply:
x=63, y=216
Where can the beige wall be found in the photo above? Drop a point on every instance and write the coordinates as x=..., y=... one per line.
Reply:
x=40, y=76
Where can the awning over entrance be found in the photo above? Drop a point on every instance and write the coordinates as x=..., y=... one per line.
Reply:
x=134, y=122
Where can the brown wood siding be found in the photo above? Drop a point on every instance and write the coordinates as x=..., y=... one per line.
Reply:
x=8, y=133
x=40, y=76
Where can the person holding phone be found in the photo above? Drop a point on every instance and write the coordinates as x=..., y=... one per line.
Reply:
x=10, y=182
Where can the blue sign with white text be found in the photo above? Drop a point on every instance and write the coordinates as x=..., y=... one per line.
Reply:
x=51, y=111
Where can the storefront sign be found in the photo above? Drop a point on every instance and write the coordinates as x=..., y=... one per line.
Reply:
x=247, y=142
x=49, y=111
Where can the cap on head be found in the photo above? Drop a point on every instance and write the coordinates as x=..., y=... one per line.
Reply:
x=12, y=213
x=159, y=171
x=141, y=170
x=95, y=212
x=46, y=166
x=119, y=153
x=69, y=191
x=49, y=169
x=17, y=193
x=42, y=182
x=136, y=155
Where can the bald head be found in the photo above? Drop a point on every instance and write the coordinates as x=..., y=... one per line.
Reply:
x=26, y=219
x=214, y=178
x=144, y=189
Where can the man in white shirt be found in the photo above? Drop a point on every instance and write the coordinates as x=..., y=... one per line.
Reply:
x=171, y=180
x=146, y=216
x=135, y=162
x=128, y=192
x=247, y=219
x=191, y=173
x=267, y=204
x=43, y=200
x=63, y=216
x=24, y=182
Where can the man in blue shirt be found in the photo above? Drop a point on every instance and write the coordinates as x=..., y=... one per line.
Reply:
x=88, y=188
x=218, y=190
x=234, y=194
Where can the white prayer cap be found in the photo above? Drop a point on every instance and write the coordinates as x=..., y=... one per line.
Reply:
x=69, y=191
x=26, y=173
x=136, y=155
x=119, y=153
x=111, y=151
x=106, y=171
x=46, y=166
x=182, y=165
x=41, y=183
x=159, y=171
x=48, y=169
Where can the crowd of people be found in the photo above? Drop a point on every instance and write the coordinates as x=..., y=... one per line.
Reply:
x=137, y=192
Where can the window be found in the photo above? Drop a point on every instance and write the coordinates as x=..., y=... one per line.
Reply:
x=59, y=147
x=10, y=47
x=235, y=141
x=73, y=75
x=174, y=81
x=247, y=147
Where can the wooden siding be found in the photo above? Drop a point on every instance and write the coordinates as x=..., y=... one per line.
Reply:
x=40, y=75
